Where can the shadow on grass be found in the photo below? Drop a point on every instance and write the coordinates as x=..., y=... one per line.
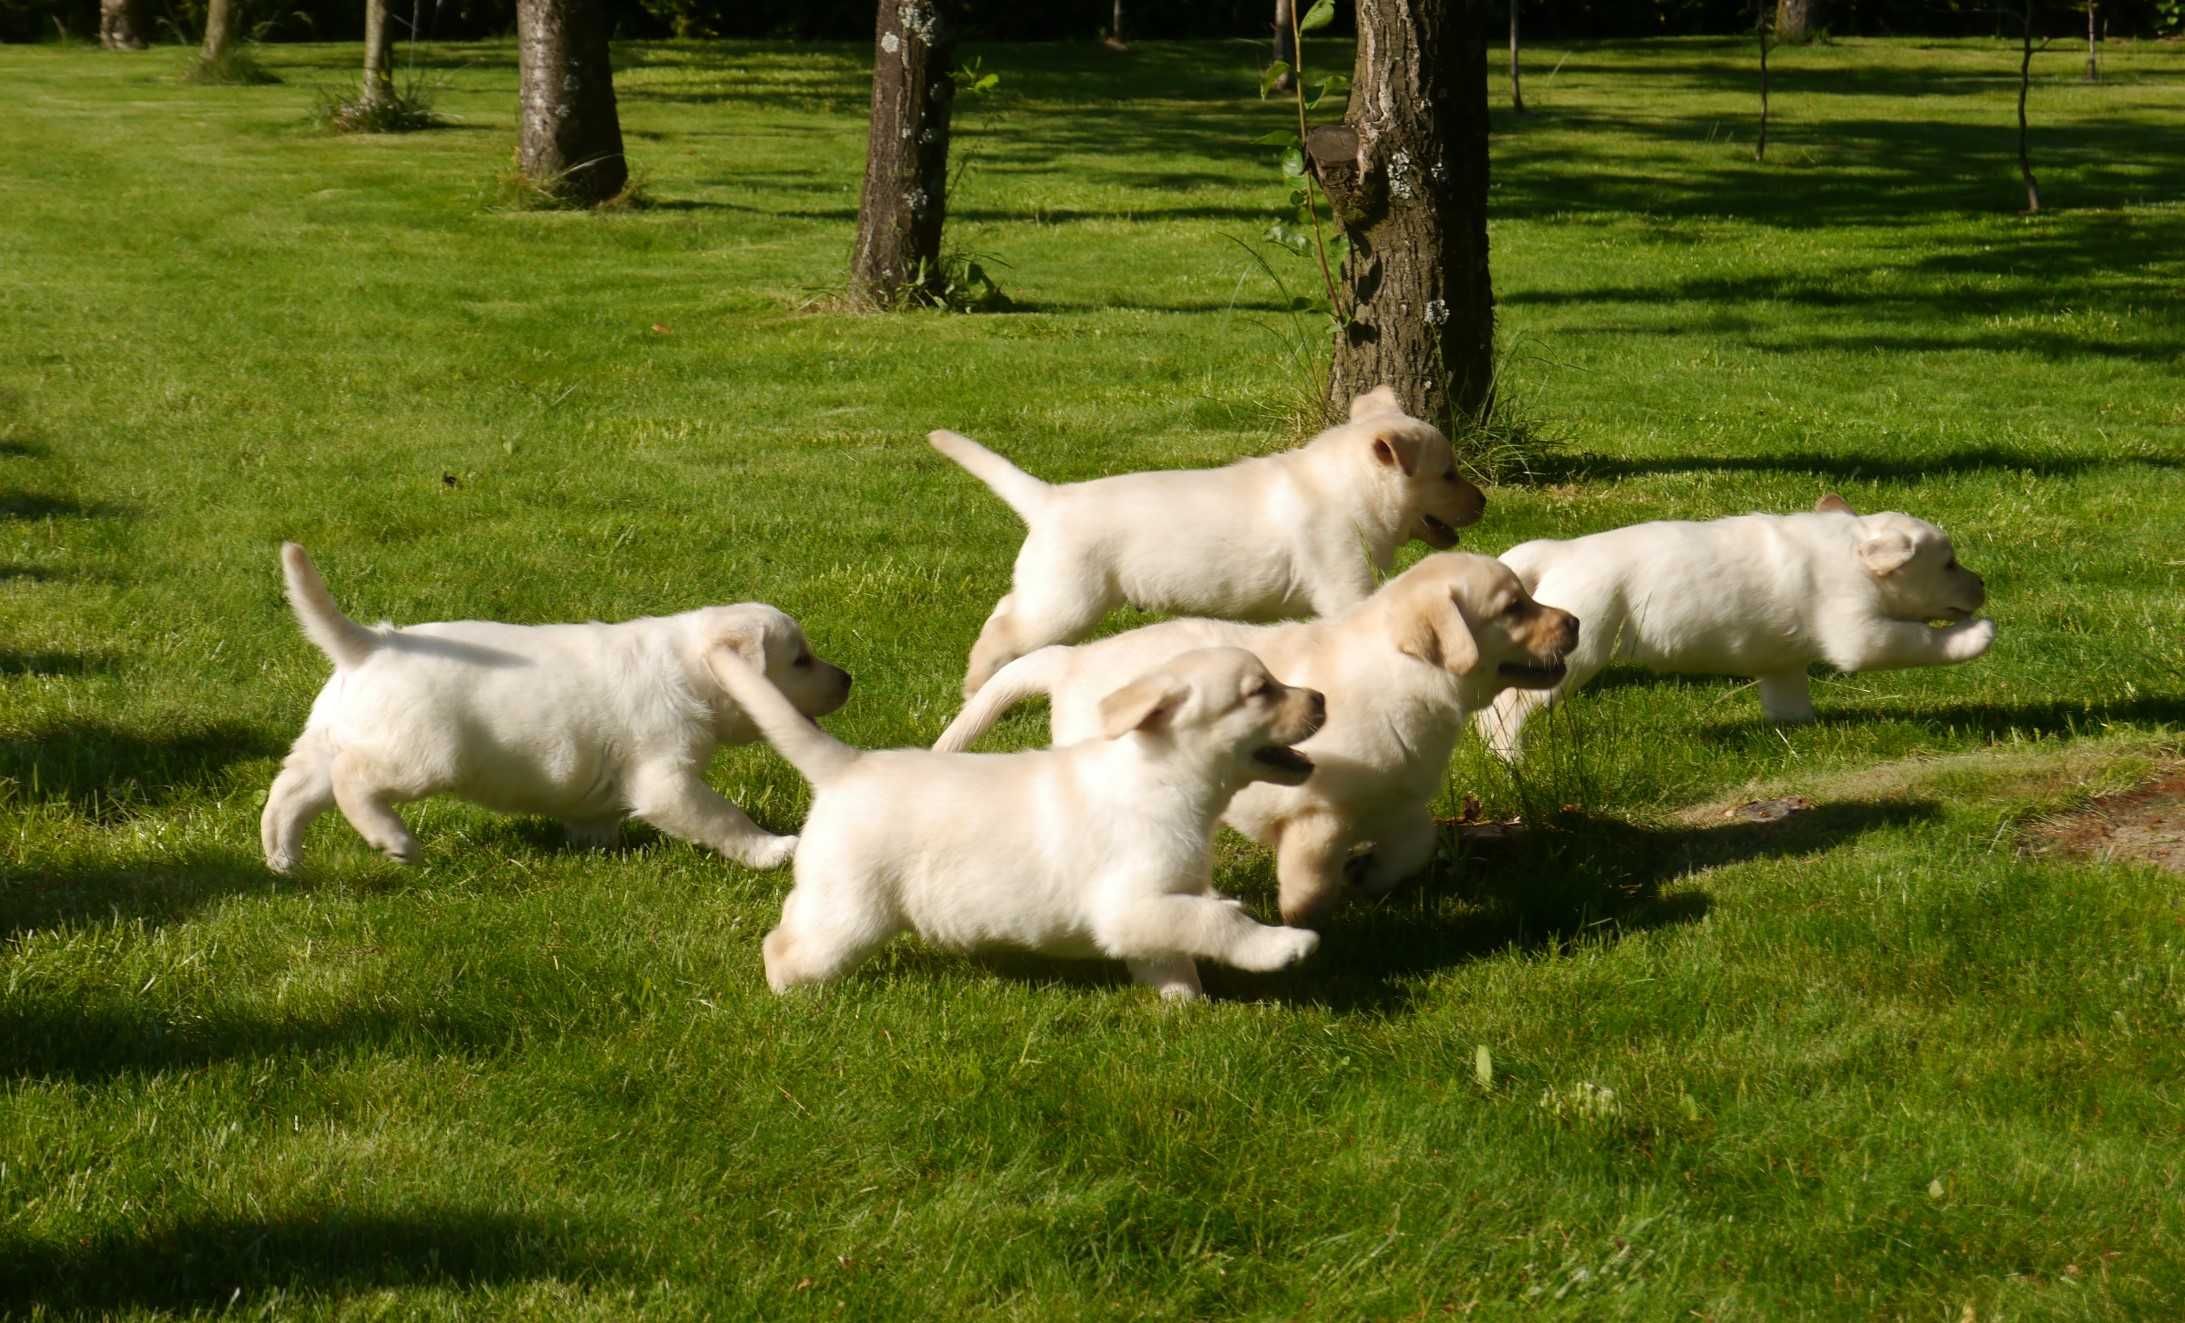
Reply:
x=52, y=663
x=14, y=449
x=213, y=1261
x=104, y=773
x=32, y=505
x=2062, y=717
x=26, y=574
x=1578, y=879
x=1852, y=467
x=110, y=1038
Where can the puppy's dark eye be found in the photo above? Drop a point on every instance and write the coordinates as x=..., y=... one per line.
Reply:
x=803, y=663
x=1950, y=564
x=1516, y=605
x=1259, y=691
x=1450, y=476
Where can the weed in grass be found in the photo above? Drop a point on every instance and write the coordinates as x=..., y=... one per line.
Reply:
x=238, y=66
x=404, y=110
x=514, y=191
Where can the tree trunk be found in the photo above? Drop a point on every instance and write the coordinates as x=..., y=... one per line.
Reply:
x=905, y=196
x=1407, y=174
x=1286, y=43
x=1517, y=94
x=2093, y=67
x=379, y=51
x=220, y=23
x=121, y=25
x=1115, y=29
x=1760, y=145
x=2025, y=81
x=1794, y=19
x=569, y=139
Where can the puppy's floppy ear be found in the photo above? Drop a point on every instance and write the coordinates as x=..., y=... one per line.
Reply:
x=1381, y=399
x=746, y=642
x=1146, y=703
x=1833, y=504
x=1885, y=553
x=1440, y=636
x=1398, y=450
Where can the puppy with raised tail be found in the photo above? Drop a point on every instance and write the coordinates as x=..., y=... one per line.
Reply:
x=1095, y=849
x=587, y=723
x=1403, y=671
x=1272, y=538
x=1758, y=595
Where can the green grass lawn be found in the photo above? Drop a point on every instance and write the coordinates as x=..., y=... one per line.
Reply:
x=1870, y=1062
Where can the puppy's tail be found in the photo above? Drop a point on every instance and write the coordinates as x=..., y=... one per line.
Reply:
x=812, y=751
x=1024, y=493
x=340, y=638
x=1032, y=674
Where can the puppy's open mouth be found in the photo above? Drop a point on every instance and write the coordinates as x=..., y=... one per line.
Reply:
x=1522, y=676
x=1436, y=534
x=1282, y=763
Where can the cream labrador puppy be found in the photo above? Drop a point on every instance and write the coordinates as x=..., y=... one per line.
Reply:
x=1277, y=537
x=1096, y=849
x=1403, y=671
x=1758, y=595
x=587, y=723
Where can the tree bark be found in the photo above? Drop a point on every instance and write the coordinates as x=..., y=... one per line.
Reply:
x=2093, y=67
x=1407, y=175
x=905, y=197
x=1795, y=19
x=1760, y=145
x=220, y=24
x=2025, y=81
x=121, y=25
x=379, y=51
x=1286, y=43
x=570, y=137
x=1517, y=94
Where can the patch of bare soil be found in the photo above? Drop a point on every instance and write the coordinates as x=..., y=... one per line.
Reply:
x=2146, y=824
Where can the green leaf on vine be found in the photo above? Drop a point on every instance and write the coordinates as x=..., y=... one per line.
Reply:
x=1318, y=17
x=1279, y=138
x=1293, y=163
x=1272, y=74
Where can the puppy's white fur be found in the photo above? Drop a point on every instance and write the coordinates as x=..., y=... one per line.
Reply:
x=1097, y=849
x=1402, y=671
x=1758, y=595
x=1272, y=538
x=587, y=723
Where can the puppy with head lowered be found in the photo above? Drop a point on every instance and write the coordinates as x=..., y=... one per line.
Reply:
x=1759, y=595
x=587, y=723
x=1402, y=671
x=1100, y=848
x=1277, y=537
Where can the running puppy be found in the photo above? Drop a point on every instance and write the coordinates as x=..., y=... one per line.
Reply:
x=1758, y=595
x=587, y=723
x=1277, y=537
x=1403, y=671
x=1097, y=849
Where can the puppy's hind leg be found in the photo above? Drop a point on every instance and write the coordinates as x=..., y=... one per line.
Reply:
x=826, y=929
x=676, y=801
x=1786, y=697
x=1400, y=853
x=1057, y=608
x=1176, y=978
x=367, y=799
x=1502, y=723
x=303, y=790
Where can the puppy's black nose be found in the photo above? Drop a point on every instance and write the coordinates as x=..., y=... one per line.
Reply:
x=845, y=681
x=1320, y=705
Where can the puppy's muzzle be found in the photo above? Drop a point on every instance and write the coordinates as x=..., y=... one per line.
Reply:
x=1304, y=712
x=1545, y=668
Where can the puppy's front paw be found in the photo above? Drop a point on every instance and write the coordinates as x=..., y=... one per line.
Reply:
x=1271, y=949
x=1969, y=639
x=280, y=863
x=772, y=852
